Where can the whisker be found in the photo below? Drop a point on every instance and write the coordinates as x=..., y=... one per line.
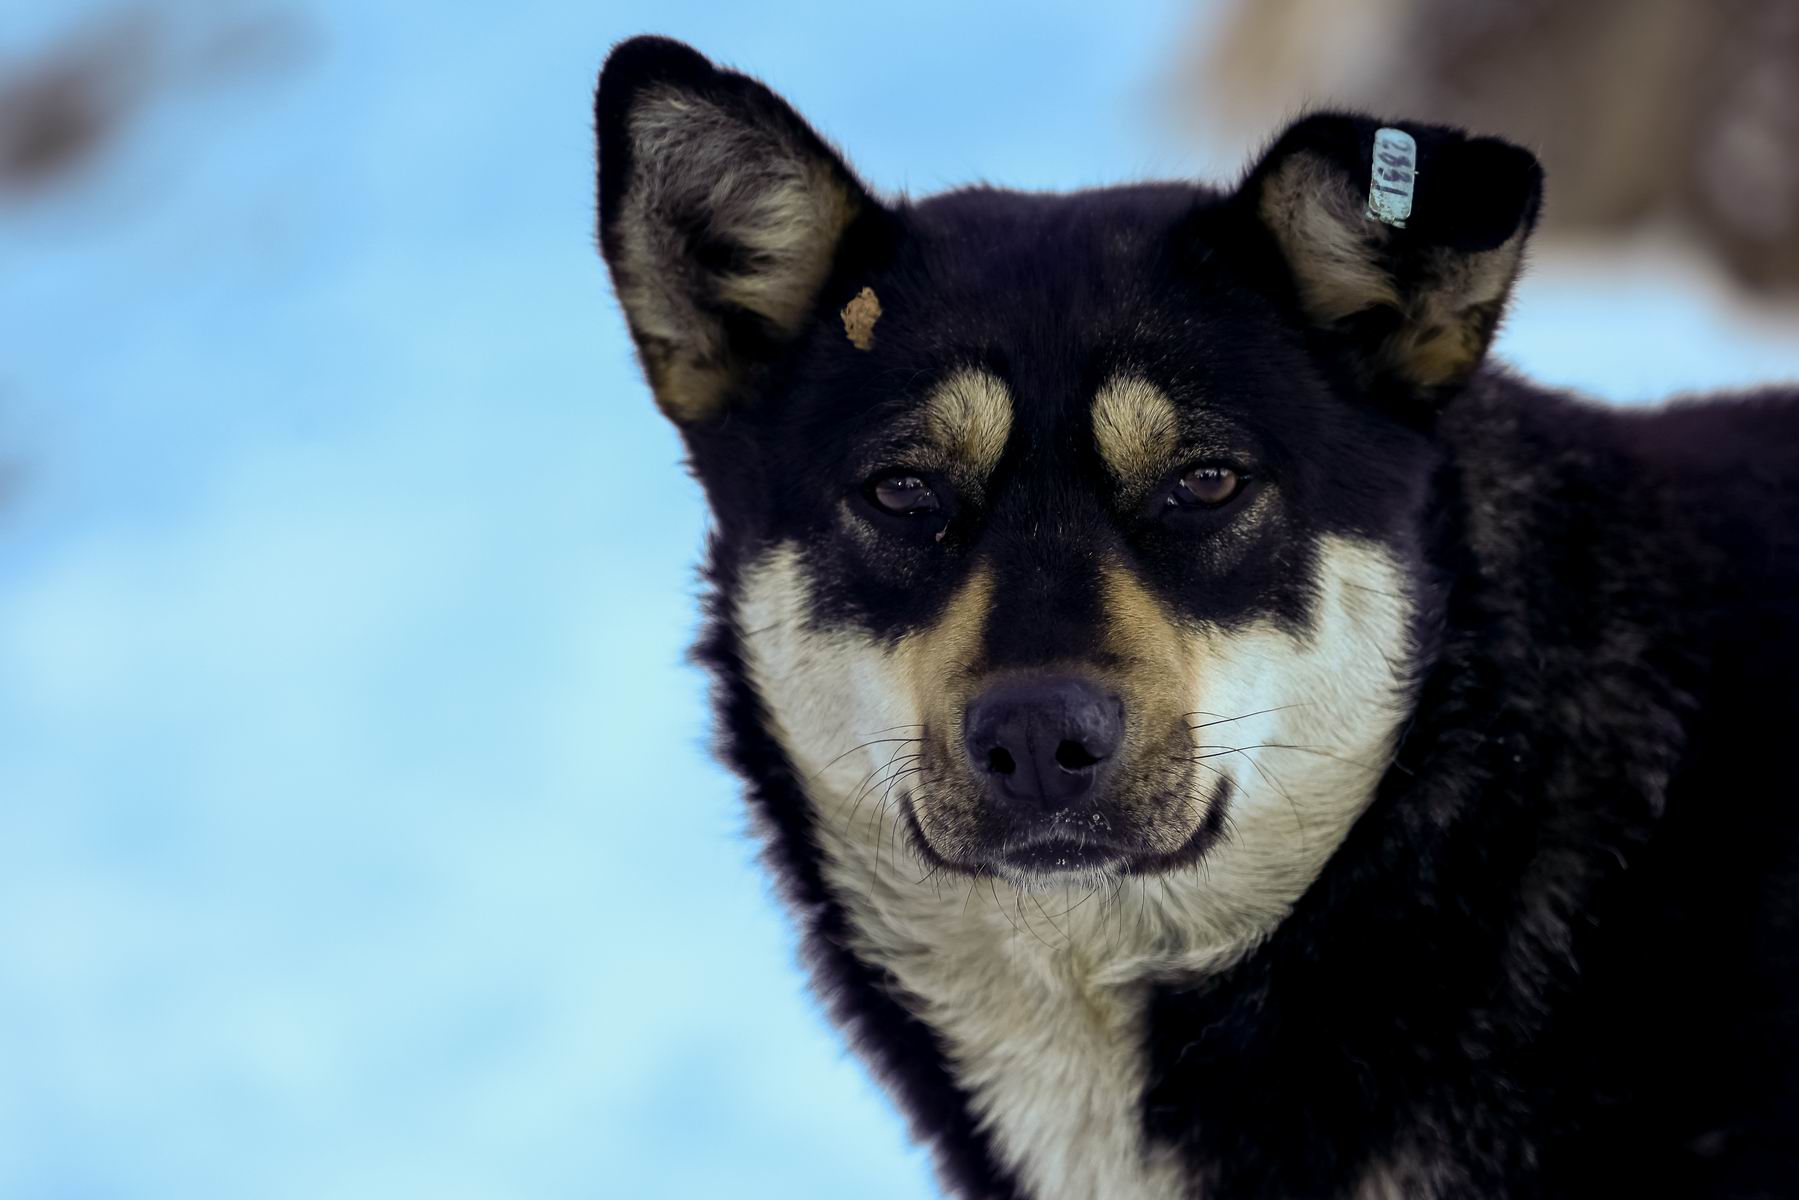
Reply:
x=870, y=783
x=898, y=817
x=1318, y=750
x=1018, y=903
x=1272, y=782
x=881, y=813
x=1091, y=892
x=853, y=749
x=1047, y=917
x=994, y=889
x=864, y=782
x=1362, y=587
x=970, y=896
x=898, y=755
x=1227, y=720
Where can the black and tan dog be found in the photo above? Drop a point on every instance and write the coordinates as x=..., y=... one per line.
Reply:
x=1218, y=736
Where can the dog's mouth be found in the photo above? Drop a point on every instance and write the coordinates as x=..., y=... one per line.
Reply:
x=1056, y=851
x=1053, y=855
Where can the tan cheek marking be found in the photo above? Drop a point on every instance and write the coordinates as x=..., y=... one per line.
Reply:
x=1137, y=430
x=1158, y=669
x=969, y=418
x=938, y=665
x=938, y=661
x=1159, y=665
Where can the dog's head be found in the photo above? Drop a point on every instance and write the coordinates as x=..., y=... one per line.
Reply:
x=1082, y=530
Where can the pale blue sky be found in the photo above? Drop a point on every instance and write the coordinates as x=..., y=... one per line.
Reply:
x=357, y=836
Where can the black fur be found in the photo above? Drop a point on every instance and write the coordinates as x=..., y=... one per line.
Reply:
x=1559, y=955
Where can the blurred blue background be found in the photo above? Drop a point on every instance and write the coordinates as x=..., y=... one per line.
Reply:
x=357, y=831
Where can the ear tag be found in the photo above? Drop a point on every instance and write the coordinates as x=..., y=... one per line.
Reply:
x=1395, y=174
x=859, y=317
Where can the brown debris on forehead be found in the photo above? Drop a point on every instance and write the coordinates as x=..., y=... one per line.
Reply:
x=859, y=317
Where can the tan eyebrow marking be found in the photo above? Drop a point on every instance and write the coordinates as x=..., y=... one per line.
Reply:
x=968, y=417
x=1137, y=429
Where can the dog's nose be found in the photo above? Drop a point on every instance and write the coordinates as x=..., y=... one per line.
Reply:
x=1043, y=742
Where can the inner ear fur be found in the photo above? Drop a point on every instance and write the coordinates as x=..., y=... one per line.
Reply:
x=721, y=215
x=1417, y=305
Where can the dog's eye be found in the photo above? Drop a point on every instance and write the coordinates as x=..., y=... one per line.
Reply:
x=1205, y=486
x=903, y=495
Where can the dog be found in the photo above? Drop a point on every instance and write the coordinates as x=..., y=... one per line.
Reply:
x=1218, y=734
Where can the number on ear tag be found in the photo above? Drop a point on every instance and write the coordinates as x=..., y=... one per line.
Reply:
x=1395, y=173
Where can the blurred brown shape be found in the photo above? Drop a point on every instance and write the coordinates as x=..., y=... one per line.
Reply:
x=59, y=111
x=1640, y=109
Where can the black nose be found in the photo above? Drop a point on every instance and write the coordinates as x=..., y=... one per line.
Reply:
x=1043, y=742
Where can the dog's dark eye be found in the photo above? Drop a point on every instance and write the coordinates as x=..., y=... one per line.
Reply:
x=903, y=495
x=1205, y=487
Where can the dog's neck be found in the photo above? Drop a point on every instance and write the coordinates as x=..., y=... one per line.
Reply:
x=1037, y=996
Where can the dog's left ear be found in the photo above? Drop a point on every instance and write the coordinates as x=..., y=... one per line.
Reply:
x=1401, y=241
x=721, y=216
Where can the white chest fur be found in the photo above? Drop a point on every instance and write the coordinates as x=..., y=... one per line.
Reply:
x=1044, y=1027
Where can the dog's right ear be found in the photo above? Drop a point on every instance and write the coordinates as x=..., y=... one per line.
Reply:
x=721, y=216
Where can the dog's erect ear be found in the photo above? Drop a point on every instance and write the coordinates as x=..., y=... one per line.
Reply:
x=721, y=214
x=1403, y=240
